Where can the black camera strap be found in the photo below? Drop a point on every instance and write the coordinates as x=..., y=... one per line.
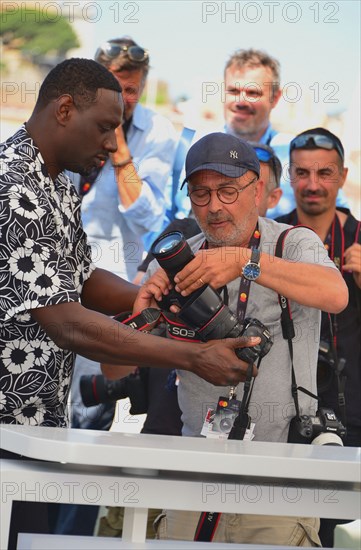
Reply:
x=335, y=245
x=288, y=330
x=144, y=321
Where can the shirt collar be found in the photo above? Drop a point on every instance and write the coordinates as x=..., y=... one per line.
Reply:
x=139, y=120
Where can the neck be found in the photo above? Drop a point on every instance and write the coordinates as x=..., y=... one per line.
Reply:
x=320, y=223
x=39, y=131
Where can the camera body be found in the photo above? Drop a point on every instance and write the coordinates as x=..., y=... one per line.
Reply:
x=306, y=428
x=97, y=389
x=204, y=310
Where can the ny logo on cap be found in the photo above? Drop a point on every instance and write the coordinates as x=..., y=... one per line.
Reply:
x=233, y=154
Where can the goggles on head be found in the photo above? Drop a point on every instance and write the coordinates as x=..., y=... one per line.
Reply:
x=318, y=140
x=267, y=155
x=112, y=50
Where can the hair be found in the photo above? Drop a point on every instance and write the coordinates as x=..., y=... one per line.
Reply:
x=123, y=61
x=311, y=145
x=80, y=78
x=256, y=58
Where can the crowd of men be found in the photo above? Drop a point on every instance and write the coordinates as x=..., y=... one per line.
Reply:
x=84, y=181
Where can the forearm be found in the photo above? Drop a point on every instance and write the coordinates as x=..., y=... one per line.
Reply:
x=307, y=284
x=128, y=182
x=108, y=293
x=104, y=340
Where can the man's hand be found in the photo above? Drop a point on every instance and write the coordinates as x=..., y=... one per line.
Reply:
x=219, y=364
x=153, y=289
x=214, y=266
x=352, y=263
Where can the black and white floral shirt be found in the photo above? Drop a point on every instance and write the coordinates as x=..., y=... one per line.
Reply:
x=44, y=260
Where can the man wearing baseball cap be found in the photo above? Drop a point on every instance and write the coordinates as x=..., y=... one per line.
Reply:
x=235, y=253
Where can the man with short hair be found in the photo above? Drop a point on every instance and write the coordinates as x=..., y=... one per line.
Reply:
x=235, y=253
x=317, y=173
x=125, y=198
x=252, y=91
x=55, y=302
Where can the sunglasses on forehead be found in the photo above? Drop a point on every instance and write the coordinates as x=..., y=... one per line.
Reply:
x=112, y=50
x=318, y=140
x=269, y=157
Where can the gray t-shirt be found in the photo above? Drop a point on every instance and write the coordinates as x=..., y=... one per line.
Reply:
x=271, y=406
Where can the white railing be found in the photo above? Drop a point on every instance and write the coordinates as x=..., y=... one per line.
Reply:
x=141, y=471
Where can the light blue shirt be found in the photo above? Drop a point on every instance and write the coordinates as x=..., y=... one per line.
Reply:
x=114, y=231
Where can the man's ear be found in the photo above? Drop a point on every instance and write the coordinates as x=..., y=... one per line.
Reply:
x=344, y=177
x=276, y=98
x=274, y=197
x=64, y=107
x=260, y=188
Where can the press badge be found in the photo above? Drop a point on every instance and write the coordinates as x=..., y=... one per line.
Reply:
x=218, y=423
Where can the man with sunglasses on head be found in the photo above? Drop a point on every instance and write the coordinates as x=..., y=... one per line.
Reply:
x=235, y=253
x=122, y=201
x=124, y=198
x=317, y=173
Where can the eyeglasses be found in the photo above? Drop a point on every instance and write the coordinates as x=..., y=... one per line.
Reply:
x=226, y=194
x=111, y=50
x=319, y=140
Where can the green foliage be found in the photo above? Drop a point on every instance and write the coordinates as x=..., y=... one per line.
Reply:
x=36, y=32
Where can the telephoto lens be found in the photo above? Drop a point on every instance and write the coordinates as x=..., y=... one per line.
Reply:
x=204, y=310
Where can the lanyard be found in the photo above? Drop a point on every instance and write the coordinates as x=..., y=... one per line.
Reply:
x=244, y=286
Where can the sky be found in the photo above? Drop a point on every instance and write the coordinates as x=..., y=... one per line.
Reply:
x=317, y=43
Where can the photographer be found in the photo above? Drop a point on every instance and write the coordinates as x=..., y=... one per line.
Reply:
x=317, y=174
x=222, y=173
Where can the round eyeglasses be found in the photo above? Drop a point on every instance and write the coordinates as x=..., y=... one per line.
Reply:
x=227, y=194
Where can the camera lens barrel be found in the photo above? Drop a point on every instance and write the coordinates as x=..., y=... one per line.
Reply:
x=172, y=252
x=95, y=389
x=204, y=310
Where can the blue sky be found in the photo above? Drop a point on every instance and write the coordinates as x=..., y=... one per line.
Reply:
x=317, y=43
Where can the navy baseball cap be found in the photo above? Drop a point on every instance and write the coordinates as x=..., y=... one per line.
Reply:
x=223, y=153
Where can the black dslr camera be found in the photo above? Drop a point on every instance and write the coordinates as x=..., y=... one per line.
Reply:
x=322, y=429
x=97, y=389
x=204, y=309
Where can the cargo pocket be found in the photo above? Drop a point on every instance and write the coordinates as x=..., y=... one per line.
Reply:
x=306, y=533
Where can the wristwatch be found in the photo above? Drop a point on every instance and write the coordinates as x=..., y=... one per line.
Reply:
x=252, y=269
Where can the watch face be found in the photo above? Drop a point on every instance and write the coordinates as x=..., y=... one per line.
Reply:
x=251, y=271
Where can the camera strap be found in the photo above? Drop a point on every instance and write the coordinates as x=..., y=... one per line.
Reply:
x=144, y=321
x=288, y=330
x=335, y=245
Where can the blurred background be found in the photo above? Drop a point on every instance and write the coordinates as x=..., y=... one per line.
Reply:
x=189, y=42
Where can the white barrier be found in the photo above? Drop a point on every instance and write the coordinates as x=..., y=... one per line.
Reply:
x=141, y=471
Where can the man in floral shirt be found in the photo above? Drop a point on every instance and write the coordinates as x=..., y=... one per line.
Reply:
x=50, y=291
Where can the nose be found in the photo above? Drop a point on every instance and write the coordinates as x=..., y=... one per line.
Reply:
x=312, y=182
x=215, y=204
x=110, y=143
